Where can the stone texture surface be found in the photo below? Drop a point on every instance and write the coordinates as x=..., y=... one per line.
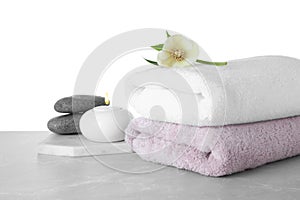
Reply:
x=65, y=124
x=27, y=176
x=78, y=103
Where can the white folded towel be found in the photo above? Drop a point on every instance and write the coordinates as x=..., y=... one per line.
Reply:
x=246, y=90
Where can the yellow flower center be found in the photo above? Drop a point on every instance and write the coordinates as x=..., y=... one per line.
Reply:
x=177, y=54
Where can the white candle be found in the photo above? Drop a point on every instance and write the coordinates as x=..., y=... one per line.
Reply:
x=105, y=124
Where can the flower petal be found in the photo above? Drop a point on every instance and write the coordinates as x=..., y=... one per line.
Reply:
x=165, y=59
x=193, y=54
x=190, y=48
x=173, y=42
x=183, y=63
x=178, y=42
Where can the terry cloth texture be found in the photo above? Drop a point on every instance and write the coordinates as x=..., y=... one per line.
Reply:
x=244, y=91
x=236, y=147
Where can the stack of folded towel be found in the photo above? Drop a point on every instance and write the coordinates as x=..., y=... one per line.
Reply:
x=227, y=119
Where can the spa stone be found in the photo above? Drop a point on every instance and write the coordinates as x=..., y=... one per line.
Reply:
x=65, y=124
x=78, y=103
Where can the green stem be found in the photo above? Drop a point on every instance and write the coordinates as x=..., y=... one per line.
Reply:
x=211, y=63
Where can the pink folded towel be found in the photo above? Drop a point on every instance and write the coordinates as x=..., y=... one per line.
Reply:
x=236, y=147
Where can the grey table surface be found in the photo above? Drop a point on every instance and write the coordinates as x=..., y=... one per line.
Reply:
x=26, y=175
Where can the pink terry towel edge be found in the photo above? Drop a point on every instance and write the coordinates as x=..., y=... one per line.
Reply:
x=237, y=147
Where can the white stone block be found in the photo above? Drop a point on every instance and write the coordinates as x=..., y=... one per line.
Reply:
x=78, y=145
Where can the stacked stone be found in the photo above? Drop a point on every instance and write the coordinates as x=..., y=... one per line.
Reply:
x=75, y=106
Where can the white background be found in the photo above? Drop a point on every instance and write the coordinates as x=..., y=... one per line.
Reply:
x=44, y=43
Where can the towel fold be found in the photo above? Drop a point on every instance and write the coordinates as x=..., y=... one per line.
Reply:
x=247, y=90
x=237, y=147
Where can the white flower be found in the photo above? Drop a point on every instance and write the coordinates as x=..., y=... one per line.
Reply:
x=178, y=51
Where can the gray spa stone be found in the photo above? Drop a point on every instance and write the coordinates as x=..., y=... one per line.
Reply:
x=78, y=103
x=65, y=124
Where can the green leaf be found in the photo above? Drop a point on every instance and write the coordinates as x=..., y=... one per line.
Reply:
x=168, y=35
x=212, y=63
x=158, y=47
x=152, y=62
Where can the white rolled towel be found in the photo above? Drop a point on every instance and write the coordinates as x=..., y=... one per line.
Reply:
x=243, y=91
